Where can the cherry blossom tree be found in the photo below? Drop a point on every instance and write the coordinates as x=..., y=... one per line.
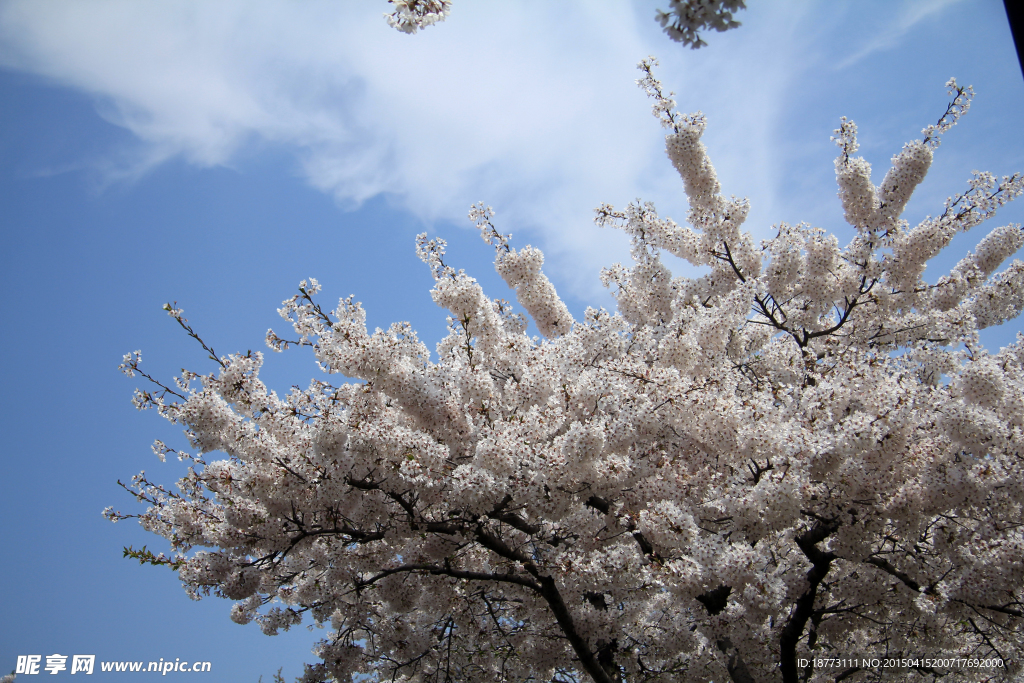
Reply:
x=801, y=459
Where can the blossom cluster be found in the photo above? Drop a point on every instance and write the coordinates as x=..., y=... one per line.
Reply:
x=803, y=450
x=409, y=16
x=686, y=18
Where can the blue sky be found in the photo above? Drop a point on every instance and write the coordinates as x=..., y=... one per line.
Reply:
x=217, y=153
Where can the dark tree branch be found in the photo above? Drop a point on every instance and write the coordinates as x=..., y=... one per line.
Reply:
x=821, y=562
x=438, y=570
x=738, y=671
x=589, y=662
x=884, y=565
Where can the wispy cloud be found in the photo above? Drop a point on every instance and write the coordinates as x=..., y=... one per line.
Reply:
x=541, y=119
x=888, y=36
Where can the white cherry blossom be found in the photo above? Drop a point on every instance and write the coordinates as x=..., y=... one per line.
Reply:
x=686, y=18
x=803, y=452
x=409, y=16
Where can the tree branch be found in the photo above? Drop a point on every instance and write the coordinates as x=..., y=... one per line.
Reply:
x=821, y=563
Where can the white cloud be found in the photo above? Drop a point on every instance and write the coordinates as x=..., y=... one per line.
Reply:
x=888, y=34
x=529, y=106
